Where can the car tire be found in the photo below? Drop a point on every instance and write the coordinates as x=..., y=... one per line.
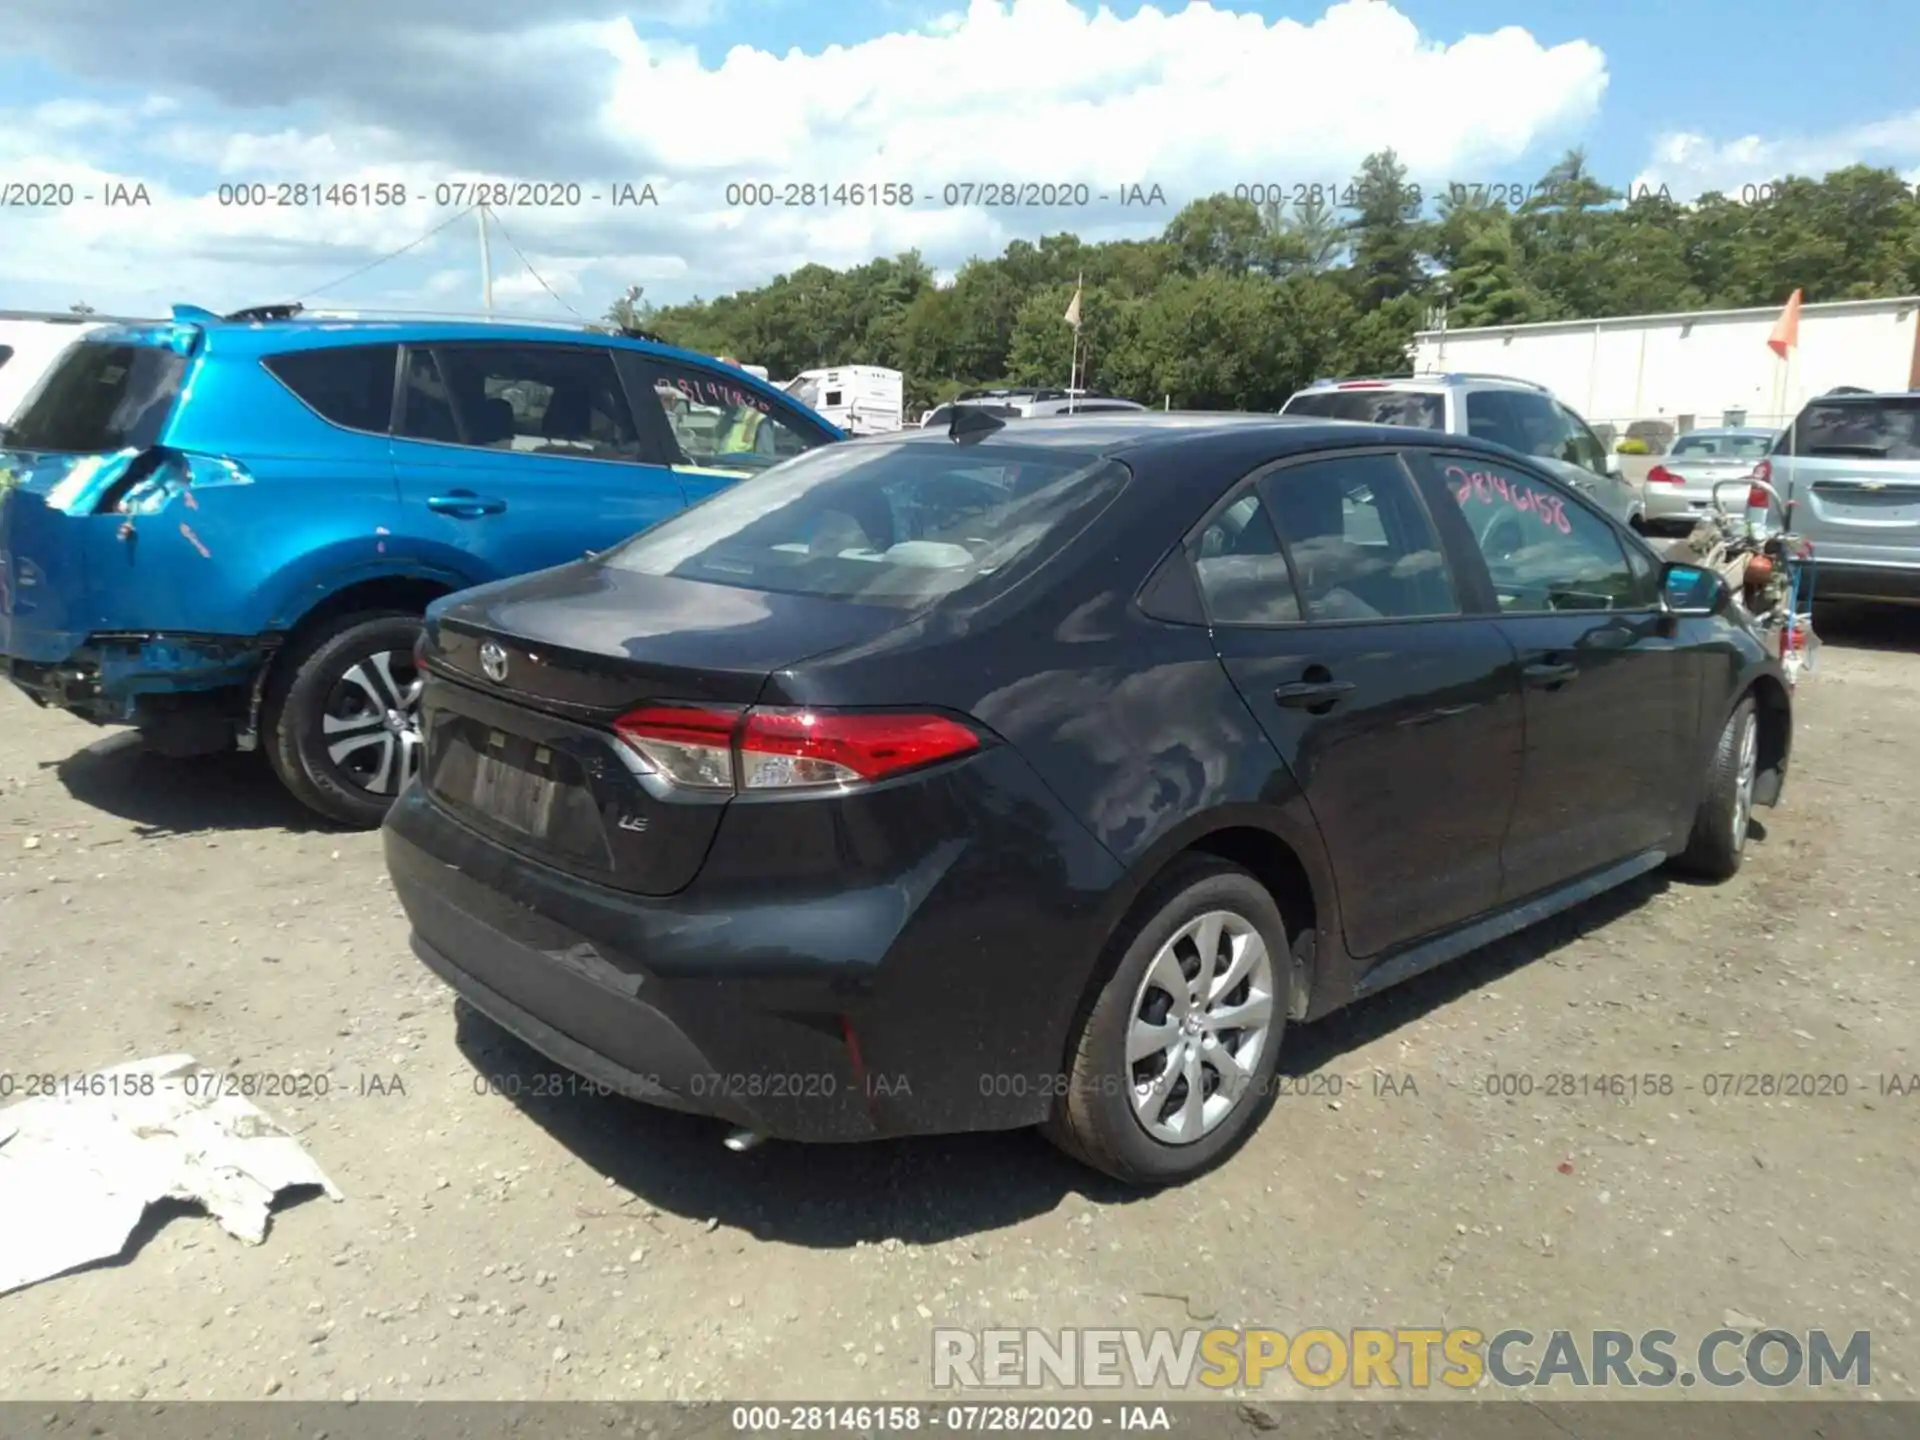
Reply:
x=326, y=722
x=1719, y=839
x=1104, y=1115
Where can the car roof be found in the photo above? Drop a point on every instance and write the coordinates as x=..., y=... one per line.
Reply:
x=1711, y=430
x=1429, y=381
x=1123, y=433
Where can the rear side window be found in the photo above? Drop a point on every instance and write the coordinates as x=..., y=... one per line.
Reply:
x=1242, y=570
x=897, y=525
x=1885, y=427
x=1362, y=544
x=351, y=387
x=99, y=398
x=1420, y=409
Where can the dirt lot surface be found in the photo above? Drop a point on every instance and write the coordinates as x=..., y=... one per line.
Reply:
x=496, y=1241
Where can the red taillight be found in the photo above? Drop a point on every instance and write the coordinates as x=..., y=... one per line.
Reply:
x=1660, y=475
x=691, y=747
x=1763, y=472
x=1362, y=385
x=786, y=749
x=1758, y=499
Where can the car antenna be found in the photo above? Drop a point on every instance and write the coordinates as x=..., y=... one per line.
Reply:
x=970, y=425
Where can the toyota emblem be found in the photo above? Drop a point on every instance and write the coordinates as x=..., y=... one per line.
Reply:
x=493, y=660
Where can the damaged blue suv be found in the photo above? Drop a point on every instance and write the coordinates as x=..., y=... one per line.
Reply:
x=224, y=530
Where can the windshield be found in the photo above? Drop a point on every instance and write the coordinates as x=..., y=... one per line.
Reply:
x=807, y=392
x=898, y=525
x=1422, y=410
x=1734, y=447
x=100, y=398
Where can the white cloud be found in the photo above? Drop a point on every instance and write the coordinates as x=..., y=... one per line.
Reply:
x=1042, y=91
x=1690, y=165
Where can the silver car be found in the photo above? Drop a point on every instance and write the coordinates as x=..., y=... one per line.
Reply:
x=1515, y=413
x=1680, y=486
x=1017, y=402
x=1850, y=468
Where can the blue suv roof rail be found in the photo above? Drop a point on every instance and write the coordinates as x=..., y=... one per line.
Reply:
x=265, y=312
x=375, y=312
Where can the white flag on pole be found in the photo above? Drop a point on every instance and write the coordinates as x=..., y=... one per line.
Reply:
x=1073, y=308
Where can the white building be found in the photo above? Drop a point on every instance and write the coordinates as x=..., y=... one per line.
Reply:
x=1710, y=367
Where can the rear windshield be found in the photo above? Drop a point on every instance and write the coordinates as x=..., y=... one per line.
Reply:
x=100, y=398
x=1736, y=447
x=897, y=525
x=1420, y=409
x=1881, y=427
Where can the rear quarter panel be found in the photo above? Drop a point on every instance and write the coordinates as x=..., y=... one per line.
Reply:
x=1132, y=723
x=321, y=511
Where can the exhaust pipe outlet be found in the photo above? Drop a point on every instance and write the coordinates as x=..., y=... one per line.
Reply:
x=742, y=1140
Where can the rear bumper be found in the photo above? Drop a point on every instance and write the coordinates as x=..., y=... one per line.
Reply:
x=1849, y=580
x=1667, y=505
x=105, y=677
x=937, y=999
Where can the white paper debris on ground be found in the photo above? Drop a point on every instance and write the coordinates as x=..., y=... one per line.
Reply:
x=79, y=1168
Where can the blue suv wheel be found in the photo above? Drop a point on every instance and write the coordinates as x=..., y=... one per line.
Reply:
x=342, y=721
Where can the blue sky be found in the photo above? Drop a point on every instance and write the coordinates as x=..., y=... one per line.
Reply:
x=694, y=95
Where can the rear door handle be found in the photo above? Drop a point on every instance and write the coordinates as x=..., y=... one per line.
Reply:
x=1307, y=694
x=466, y=505
x=1546, y=675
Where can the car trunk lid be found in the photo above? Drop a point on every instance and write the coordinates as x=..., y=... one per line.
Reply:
x=526, y=679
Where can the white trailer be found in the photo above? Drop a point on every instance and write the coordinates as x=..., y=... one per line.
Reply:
x=860, y=399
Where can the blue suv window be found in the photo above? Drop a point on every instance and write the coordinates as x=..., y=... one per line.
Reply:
x=352, y=387
x=530, y=398
x=713, y=420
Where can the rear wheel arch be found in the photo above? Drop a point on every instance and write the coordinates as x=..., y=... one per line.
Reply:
x=374, y=595
x=1290, y=869
x=280, y=718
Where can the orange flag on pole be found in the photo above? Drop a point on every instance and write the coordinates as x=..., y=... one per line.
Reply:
x=1786, y=330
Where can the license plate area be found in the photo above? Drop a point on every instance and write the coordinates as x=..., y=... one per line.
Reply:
x=534, y=794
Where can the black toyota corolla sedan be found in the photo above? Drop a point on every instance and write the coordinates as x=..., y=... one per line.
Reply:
x=1039, y=773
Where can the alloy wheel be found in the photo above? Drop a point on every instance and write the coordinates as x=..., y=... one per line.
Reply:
x=1201, y=1020
x=371, y=722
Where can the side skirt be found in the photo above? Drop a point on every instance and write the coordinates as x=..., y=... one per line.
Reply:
x=1451, y=946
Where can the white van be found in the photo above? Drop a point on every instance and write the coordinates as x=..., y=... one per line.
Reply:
x=860, y=399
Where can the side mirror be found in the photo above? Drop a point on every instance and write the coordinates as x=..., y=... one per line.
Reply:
x=1692, y=590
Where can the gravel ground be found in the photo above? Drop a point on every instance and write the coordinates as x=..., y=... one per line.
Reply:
x=504, y=1236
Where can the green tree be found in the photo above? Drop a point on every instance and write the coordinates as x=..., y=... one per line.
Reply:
x=1387, y=234
x=1562, y=229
